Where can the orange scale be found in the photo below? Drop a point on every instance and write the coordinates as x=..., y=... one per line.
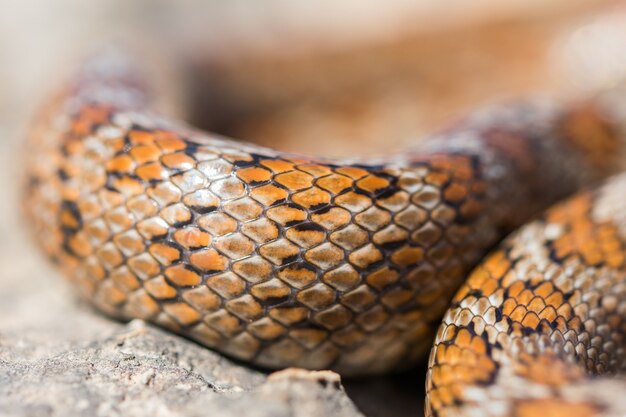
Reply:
x=169, y=140
x=192, y=237
x=478, y=278
x=382, y=278
x=469, y=358
x=455, y=192
x=407, y=255
x=95, y=270
x=334, y=183
x=152, y=172
x=593, y=257
x=497, y=264
x=518, y=313
x=478, y=346
x=462, y=292
x=121, y=164
x=269, y=194
x=434, y=400
x=575, y=323
x=615, y=259
x=145, y=153
x=536, y=305
x=110, y=256
x=446, y=396
x=81, y=127
x=285, y=214
x=160, y=289
x=181, y=276
x=448, y=333
x=489, y=287
x=549, y=313
x=544, y=291
x=295, y=180
x=110, y=294
x=68, y=219
x=610, y=244
x=235, y=157
x=165, y=254
x=531, y=320
x=332, y=219
x=254, y=175
x=277, y=166
x=305, y=238
x=178, y=160
x=463, y=338
x=312, y=197
x=141, y=137
x=352, y=172
x=315, y=170
x=182, y=313
x=372, y=183
x=289, y=315
x=444, y=375
x=508, y=306
x=516, y=289
x=437, y=179
x=73, y=193
x=208, y=260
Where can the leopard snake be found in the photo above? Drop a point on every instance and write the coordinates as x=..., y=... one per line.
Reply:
x=285, y=260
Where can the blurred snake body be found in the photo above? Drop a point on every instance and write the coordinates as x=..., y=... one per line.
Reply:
x=287, y=260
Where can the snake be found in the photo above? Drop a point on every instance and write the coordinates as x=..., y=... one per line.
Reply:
x=286, y=260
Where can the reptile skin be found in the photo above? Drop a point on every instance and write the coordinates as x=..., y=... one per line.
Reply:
x=287, y=260
x=541, y=320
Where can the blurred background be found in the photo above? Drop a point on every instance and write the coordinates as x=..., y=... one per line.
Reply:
x=331, y=77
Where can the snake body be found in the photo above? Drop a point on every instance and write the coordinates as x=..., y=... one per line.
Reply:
x=288, y=260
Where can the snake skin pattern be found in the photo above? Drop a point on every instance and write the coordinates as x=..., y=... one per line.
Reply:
x=540, y=319
x=286, y=260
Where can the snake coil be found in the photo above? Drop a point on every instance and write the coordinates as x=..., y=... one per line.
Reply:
x=288, y=260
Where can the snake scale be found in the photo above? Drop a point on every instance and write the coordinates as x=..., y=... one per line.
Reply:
x=287, y=260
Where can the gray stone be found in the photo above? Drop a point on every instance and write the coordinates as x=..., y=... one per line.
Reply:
x=142, y=371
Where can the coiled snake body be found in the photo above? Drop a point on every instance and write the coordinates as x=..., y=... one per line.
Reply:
x=285, y=260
